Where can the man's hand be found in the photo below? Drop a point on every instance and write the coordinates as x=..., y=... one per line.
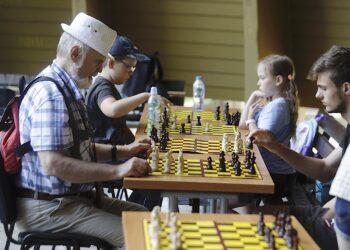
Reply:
x=140, y=147
x=135, y=167
x=263, y=138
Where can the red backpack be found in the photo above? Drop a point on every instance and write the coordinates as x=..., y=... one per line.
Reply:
x=11, y=149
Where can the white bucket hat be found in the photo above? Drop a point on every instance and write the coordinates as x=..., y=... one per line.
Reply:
x=91, y=32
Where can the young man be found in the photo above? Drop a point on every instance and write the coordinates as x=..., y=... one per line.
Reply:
x=332, y=73
x=55, y=185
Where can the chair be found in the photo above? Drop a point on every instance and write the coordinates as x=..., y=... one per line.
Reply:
x=329, y=133
x=176, y=91
x=26, y=240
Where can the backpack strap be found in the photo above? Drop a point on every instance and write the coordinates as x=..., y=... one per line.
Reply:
x=26, y=147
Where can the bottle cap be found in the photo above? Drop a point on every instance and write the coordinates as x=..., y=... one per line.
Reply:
x=199, y=77
x=154, y=91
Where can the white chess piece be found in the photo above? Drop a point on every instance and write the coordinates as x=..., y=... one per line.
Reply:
x=180, y=162
x=154, y=228
x=224, y=143
x=206, y=127
x=237, y=144
x=168, y=161
x=173, y=126
x=155, y=159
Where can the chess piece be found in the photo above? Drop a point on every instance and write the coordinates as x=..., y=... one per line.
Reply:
x=154, y=228
x=168, y=161
x=228, y=119
x=222, y=163
x=237, y=144
x=198, y=121
x=155, y=158
x=163, y=143
x=206, y=127
x=188, y=118
x=217, y=113
x=237, y=168
x=261, y=224
x=182, y=130
x=224, y=143
x=173, y=125
x=154, y=134
x=210, y=163
x=180, y=162
x=250, y=143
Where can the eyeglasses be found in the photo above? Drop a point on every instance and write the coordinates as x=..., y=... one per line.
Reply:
x=130, y=68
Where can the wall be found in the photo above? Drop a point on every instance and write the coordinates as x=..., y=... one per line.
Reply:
x=193, y=37
x=316, y=25
x=29, y=32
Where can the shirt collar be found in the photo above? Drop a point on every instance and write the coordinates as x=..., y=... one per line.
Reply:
x=67, y=79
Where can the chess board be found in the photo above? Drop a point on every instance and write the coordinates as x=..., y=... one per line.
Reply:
x=197, y=167
x=193, y=145
x=209, y=234
x=213, y=129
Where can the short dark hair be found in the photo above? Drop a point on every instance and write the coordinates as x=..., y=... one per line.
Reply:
x=337, y=61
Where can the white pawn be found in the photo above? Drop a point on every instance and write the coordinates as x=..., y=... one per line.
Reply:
x=237, y=144
x=206, y=127
x=180, y=162
x=174, y=122
x=155, y=159
x=224, y=143
x=168, y=161
x=175, y=241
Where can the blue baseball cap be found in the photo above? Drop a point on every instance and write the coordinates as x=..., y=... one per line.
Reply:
x=124, y=47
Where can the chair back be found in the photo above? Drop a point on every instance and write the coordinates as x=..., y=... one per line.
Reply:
x=328, y=129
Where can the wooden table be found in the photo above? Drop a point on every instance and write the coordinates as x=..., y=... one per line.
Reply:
x=202, y=187
x=134, y=232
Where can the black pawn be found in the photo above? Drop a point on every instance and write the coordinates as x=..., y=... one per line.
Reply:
x=237, y=169
x=154, y=134
x=182, y=130
x=217, y=113
x=250, y=143
x=189, y=119
x=261, y=224
x=210, y=163
x=198, y=121
x=252, y=170
x=222, y=164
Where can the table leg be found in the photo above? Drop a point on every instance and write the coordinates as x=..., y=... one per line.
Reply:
x=223, y=205
x=212, y=206
x=173, y=206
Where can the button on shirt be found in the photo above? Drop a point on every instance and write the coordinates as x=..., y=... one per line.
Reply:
x=341, y=183
x=43, y=120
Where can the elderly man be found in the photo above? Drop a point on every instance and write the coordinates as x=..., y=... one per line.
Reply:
x=55, y=185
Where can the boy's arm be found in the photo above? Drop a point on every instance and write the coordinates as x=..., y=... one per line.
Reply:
x=320, y=169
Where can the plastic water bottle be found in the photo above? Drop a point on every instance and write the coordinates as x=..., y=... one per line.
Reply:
x=198, y=94
x=153, y=110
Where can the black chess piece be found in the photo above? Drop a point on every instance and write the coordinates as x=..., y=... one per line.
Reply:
x=198, y=121
x=222, y=163
x=272, y=243
x=228, y=119
x=250, y=143
x=233, y=158
x=261, y=224
x=163, y=143
x=217, y=113
x=237, y=169
x=154, y=134
x=210, y=163
x=188, y=118
x=182, y=130
x=268, y=233
x=237, y=118
x=252, y=170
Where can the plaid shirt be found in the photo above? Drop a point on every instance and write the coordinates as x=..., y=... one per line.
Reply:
x=43, y=119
